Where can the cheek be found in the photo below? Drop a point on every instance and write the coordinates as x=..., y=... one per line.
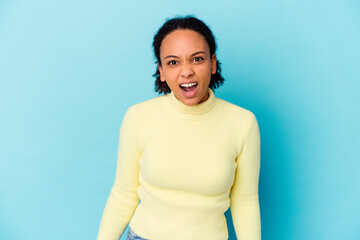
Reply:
x=171, y=73
x=205, y=73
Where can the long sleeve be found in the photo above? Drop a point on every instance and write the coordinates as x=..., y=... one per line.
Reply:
x=123, y=198
x=244, y=201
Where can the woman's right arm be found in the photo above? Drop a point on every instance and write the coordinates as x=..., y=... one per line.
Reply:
x=123, y=198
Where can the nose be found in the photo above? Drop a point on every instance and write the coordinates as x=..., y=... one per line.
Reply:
x=187, y=71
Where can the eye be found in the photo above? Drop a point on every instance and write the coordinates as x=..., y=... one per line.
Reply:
x=198, y=59
x=171, y=62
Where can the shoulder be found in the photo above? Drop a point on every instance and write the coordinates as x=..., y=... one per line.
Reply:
x=235, y=117
x=234, y=110
x=147, y=107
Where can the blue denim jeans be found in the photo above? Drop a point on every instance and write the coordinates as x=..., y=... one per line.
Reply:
x=131, y=235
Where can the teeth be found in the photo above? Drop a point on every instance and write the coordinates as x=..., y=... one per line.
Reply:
x=187, y=84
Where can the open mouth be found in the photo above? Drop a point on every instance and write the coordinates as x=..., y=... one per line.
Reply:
x=188, y=87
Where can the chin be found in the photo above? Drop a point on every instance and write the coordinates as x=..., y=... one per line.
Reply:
x=191, y=102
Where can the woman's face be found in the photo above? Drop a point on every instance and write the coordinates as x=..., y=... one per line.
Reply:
x=186, y=65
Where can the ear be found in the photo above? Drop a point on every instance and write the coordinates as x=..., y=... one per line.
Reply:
x=162, y=78
x=213, y=64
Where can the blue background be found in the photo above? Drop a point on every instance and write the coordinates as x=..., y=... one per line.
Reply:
x=70, y=69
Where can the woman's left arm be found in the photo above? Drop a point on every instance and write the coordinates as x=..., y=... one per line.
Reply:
x=244, y=200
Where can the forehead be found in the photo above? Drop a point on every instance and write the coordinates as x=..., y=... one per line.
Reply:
x=180, y=42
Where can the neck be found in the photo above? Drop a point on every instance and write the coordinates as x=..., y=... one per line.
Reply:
x=197, y=111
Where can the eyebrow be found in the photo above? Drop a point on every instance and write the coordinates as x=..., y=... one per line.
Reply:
x=173, y=56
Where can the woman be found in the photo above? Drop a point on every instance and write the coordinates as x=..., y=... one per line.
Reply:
x=183, y=153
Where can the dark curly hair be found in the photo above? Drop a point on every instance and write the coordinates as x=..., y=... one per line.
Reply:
x=189, y=22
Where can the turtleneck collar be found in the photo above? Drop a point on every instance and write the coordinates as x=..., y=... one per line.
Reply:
x=194, y=111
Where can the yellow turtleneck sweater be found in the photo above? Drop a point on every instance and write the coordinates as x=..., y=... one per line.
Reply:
x=187, y=165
